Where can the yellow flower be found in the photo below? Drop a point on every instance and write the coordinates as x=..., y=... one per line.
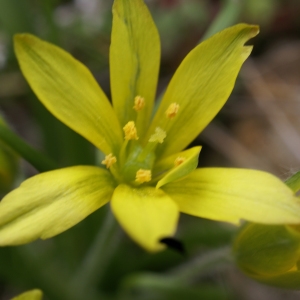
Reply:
x=30, y=295
x=148, y=177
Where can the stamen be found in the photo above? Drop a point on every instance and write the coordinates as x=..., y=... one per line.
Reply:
x=179, y=160
x=109, y=160
x=158, y=136
x=130, y=131
x=172, y=110
x=139, y=103
x=143, y=176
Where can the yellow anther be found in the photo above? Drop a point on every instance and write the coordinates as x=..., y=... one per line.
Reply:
x=139, y=103
x=143, y=176
x=130, y=131
x=172, y=110
x=158, y=136
x=109, y=160
x=179, y=160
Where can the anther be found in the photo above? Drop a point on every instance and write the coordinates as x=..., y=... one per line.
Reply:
x=139, y=103
x=158, y=136
x=109, y=160
x=172, y=110
x=143, y=176
x=179, y=160
x=130, y=131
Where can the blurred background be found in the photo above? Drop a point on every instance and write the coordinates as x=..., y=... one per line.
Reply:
x=259, y=127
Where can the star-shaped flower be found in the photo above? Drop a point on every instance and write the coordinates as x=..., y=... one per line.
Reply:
x=148, y=177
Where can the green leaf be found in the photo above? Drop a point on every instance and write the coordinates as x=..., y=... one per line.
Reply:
x=294, y=182
x=8, y=163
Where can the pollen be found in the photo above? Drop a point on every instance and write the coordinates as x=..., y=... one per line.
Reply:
x=139, y=103
x=179, y=160
x=130, y=131
x=158, y=136
x=109, y=160
x=172, y=110
x=143, y=176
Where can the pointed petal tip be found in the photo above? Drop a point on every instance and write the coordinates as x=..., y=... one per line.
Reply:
x=202, y=84
x=19, y=37
x=53, y=75
x=188, y=162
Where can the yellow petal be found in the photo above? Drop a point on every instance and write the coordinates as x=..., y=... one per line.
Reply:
x=69, y=91
x=30, y=295
x=201, y=86
x=52, y=202
x=189, y=164
x=146, y=214
x=134, y=61
x=232, y=195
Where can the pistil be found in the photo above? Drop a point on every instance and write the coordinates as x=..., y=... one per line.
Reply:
x=109, y=160
x=143, y=176
x=157, y=137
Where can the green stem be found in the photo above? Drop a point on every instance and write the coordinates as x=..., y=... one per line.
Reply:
x=93, y=266
x=35, y=158
x=52, y=284
x=48, y=11
x=203, y=264
x=183, y=275
x=228, y=16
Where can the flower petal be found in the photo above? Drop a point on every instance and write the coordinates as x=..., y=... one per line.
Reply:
x=189, y=164
x=52, y=202
x=146, y=214
x=134, y=61
x=201, y=86
x=232, y=195
x=30, y=295
x=69, y=91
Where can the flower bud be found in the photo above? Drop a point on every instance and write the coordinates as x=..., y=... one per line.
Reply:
x=269, y=254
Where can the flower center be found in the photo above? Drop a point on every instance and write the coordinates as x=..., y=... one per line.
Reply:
x=143, y=176
x=135, y=162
